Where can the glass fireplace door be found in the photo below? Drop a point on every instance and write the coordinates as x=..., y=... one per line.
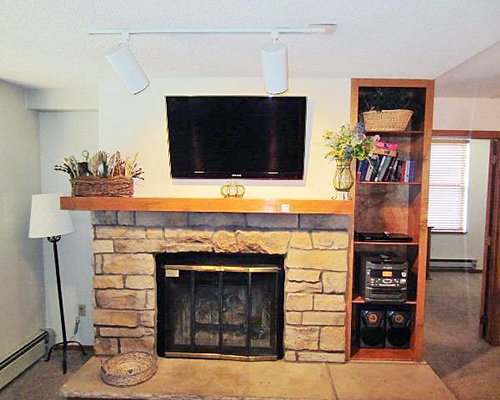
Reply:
x=221, y=312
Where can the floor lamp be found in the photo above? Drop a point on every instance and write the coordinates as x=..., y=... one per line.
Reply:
x=49, y=221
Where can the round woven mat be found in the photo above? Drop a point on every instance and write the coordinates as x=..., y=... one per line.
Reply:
x=128, y=369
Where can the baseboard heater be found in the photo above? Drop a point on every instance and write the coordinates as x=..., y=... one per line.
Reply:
x=18, y=361
x=453, y=264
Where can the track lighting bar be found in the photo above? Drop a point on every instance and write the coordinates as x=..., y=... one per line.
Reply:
x=311, y=29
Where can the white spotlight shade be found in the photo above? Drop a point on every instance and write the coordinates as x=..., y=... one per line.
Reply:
x=47, y=219
x=275, y=67
x=127, y=67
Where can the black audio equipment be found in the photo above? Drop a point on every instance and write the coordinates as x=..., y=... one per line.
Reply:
x=383, y=277
x=372, y=329
x=398, y=329
x=382, y=237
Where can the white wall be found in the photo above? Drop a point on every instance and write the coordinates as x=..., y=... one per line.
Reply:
x=21, y=272
x=63, y=134
x=138, y=123
x=469, y=245
x=463, y=114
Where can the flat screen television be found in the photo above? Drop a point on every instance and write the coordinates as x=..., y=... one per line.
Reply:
x=221, y=137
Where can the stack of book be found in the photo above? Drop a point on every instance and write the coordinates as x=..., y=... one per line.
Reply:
x=385, y=166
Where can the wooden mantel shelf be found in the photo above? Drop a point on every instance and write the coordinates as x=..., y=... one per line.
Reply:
x=173, y=204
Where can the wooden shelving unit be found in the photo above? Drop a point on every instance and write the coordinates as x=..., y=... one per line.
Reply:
x=395, y=207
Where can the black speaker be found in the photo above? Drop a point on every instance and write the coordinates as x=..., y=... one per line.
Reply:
x=372, y=329
x=398, y=329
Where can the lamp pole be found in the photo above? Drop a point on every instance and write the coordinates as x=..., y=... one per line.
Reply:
x=64, y=343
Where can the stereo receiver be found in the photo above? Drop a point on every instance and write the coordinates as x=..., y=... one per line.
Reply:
x=383, y=277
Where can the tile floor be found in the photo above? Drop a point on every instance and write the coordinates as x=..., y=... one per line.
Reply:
x=215, y=379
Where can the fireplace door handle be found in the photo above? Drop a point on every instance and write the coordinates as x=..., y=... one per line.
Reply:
x=221, y=268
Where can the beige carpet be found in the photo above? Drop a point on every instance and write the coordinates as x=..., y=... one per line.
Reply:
x=468, y=365
x=43, y=380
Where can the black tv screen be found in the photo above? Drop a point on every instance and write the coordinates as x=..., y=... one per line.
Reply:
x=236, y=137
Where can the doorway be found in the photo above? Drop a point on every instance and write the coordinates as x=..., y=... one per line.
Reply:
x=456, y=257
x=460, y=353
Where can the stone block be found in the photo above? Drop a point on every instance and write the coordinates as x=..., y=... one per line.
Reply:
x=103, y=217
x=290, y=356
x=303, y=275
x=332, y=338
x=116, y=318
x=147, y=318
x=126, y=332
x=126, y=218
x=139, y=282
x=163, y=219
x=324, y=221
x=140, y=246
x=107, y=281
x=98, y=261
x=151, y=299
x=136, y=264
x=145, y=343
x=105, y=346
x=121, y=299
x=301, y=240
x=300, y=287
x=272, y=221
x=224, y=242
x=183, y=247
x=293, y=318
x=301, y=338
x=216, y=220
x=155, y=233
x=262, y=242
x=329, y=302
x=334, y=282
x=102, y=246
x=316, y=356
x=119, y=232
x=331, y=260
x=323, y=318
x=299, y=302
x=178, y=236
x=330, y=239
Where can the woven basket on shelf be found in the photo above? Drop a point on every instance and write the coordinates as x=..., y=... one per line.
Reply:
x=128, y=369
x=89, y=186
x=387, y=120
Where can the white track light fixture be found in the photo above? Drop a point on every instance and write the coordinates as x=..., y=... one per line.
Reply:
x=274, y=54
x=275, y=66
x=127, y=67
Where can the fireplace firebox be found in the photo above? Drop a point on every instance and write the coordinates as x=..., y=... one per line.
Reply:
x=220, y=305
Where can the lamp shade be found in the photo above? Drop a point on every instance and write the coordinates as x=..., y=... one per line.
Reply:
x=127, y=67
x=275, y=67
x=47, y=219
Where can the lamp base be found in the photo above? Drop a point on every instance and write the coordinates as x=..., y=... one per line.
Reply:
x=64, y=349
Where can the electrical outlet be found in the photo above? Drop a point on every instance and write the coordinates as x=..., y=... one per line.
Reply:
x=82, y=310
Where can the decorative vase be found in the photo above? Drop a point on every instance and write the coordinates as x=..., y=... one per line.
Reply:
x=343, y=179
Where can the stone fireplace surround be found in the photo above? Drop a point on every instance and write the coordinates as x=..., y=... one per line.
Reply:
x=315, y=248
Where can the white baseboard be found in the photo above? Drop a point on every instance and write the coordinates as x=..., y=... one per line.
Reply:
x=18, y=361
x=449, y=264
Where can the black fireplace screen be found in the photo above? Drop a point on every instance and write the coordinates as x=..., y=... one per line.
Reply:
x=220, y=306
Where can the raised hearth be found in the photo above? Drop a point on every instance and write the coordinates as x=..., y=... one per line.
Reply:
x=314, y=249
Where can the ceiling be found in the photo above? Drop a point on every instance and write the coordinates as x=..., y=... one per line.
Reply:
x=45, y=43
